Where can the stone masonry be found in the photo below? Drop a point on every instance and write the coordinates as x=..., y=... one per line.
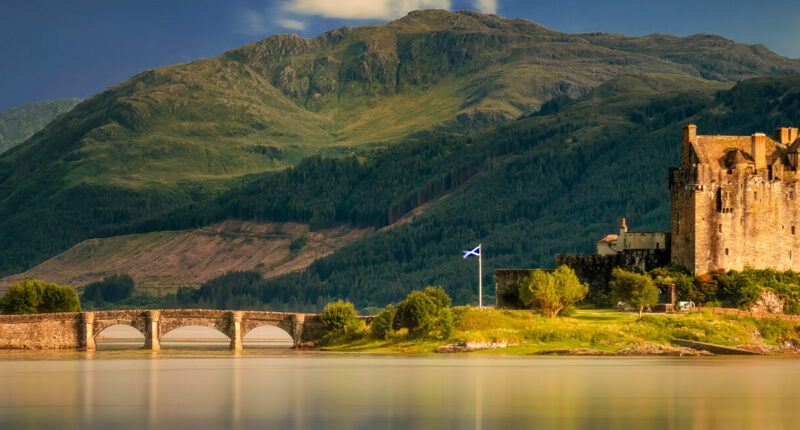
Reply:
x=79, y=330
x=735, y=202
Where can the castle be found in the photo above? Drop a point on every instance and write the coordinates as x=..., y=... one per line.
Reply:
x=734, y=205
x=734, y=202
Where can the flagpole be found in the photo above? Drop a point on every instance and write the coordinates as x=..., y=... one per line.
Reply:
x=480, y=277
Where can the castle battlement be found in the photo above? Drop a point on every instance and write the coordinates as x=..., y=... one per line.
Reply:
x=734, y=201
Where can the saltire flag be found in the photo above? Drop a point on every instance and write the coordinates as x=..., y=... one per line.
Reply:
x=476, y=252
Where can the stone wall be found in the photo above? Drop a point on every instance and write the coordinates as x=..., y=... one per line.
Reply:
x=595, y=270
x=41, y=331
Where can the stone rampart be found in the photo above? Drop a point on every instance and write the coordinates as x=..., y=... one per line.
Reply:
x=595, y=270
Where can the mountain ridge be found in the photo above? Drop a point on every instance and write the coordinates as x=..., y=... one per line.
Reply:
x=183, y=135
x=19, y=123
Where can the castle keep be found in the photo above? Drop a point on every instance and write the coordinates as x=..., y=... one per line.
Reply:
x=734, y=202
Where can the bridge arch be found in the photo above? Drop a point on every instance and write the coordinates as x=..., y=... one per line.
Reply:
x=267, y=335
x=119, y=335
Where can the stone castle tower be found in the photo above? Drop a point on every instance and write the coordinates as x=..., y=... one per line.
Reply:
x=735, y=202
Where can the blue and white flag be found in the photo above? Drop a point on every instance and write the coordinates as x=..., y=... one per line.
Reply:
x=476, y=252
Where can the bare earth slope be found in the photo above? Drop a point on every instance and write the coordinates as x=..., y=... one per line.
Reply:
x=190, y=257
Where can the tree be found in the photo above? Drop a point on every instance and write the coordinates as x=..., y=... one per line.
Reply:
x=381, y=326
x=637, y=290
x=552, y=292
x=338, y=316
x=111, y=289
x=425, y=314
x=32, y=296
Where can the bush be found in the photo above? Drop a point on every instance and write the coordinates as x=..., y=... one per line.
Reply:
x=31, y=296
x=739, y=290
x=425, y=314
x=381, y=326
x=637, y=290
x=551, y=293
x=338, y=316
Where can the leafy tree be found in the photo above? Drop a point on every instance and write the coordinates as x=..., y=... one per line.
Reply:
x=553, y=292
x=338, y=316
x=32, y=296
x=439, y=297
x=637, y=290
x=425, y=314
x=381, y=326
x=21, y=298
x=739, y=290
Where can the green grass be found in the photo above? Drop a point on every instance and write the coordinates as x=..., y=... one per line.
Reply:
x=602, y=330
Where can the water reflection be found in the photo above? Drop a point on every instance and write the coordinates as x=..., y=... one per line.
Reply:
x=310, y=391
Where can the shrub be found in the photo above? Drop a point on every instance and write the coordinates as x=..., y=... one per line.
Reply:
x=550, y=293
x=31, y=296
x=739, y=290
x=381, y=326
x=439, y=297
x=425, y=314
x=338, y=316
x=637, y=290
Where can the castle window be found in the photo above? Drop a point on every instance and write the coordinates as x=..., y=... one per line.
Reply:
x=755, y=195
x=720, y=228
x=791, y=195
x=726, y=251
x=792, y=229
x=730, y=172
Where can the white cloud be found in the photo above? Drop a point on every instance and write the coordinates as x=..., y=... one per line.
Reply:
x=252, y=23
x=363, y=9
x=292, y=24
x=486, y=6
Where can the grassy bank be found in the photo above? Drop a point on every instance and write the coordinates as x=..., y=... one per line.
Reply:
x=603, y=330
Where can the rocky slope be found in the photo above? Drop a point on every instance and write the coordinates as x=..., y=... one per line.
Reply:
x=19, y=123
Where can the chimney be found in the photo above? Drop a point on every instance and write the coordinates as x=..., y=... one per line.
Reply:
x=782, y=135
x=623, y=228
x=689, y=136
x=759, y=151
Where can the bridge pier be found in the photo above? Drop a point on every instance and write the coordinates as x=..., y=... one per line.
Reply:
x=297, y=328
x=236, y=331
x=152, y=332
x=86, y=331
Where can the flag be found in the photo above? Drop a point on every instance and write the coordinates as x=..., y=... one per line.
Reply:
x=476, y=252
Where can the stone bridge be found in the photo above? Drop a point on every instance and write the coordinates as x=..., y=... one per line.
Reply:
x=79, y=330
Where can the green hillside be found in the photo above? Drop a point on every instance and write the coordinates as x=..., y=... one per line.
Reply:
x=19, y=123
x=547, y=184
x=180, y=136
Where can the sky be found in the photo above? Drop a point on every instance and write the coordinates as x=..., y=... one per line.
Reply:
x=76, y=48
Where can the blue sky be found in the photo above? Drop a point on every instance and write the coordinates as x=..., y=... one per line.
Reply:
x=76, y=48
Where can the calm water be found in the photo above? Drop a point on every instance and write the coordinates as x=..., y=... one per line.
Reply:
x=274, y=389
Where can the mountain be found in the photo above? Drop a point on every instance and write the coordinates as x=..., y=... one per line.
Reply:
x=551, y=182
x=178, y=138
x=19, y=123
x=546, y=184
